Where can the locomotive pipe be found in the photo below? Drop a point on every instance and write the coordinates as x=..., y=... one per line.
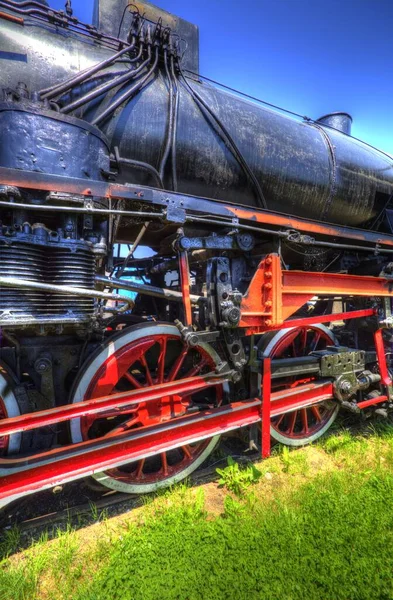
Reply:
x=128, y=94
x=85, y=211
x=191, y=219
x=73, y=81
x=83, y=29
x=169, y=135
x=64, y=289
x=227, y=138
x=175, y=118
x=106, y=87
x=139, y=165
x=148, y=290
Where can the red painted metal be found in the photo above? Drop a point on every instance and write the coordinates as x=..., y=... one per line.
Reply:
x=124, y=448
x=78, y=460
x=306, y=321
x=104, y=403
x=372, y=401
x=185, y=287
x=275, y=294
x=381, y=357
x=158, y=367
x=266, y=407
x=301, y=396
x=12, y=18
x=300, y=341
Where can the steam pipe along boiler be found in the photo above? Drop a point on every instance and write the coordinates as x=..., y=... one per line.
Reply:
x=263, y=303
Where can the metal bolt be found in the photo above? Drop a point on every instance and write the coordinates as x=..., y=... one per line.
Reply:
x=345, y=387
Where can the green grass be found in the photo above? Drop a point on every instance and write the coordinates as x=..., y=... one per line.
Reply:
x=315, y=524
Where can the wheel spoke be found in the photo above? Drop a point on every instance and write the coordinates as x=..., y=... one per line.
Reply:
x=305, y=420
x=315, y=343
x=305, y=424
x=161, y=360
x=186, y=450
x=164, y=462
x=143, y=362
x=292, y=422
x=303, y=340
x=146, y=360
x=280, y=420
x=123, y=427
x=139, y=469
x=177, y=365
x=132, y=380
x=195, y=370
x=317, y=414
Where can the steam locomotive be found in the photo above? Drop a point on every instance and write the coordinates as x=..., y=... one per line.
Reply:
x=260, y=298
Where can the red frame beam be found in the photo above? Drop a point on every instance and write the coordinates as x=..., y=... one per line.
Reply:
x=301, y=397
x=275, y=294
x=51, y=416
x=124, y=448
x=266, y=406
x=60, y=465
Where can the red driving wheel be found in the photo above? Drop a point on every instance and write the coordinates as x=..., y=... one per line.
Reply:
x=303, y=426
x=145, y=356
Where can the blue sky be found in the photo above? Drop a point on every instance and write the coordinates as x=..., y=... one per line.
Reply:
x=311, y=56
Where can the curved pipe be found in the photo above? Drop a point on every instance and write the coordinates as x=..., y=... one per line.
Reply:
x=66, y=85
x=138, y=56
x=73, y=24
x=138, y=164
x=175, y=118
x=106, y=87
x=126, y=95
x=169, y=135
x=226, y=137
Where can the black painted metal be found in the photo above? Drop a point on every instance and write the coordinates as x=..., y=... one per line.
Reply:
x=293, y=161
x=306, y=169
x=338, y=120
x=39, y=140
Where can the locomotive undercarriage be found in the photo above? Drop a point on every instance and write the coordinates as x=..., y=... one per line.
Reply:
x=222, y=334
x=129, y=369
